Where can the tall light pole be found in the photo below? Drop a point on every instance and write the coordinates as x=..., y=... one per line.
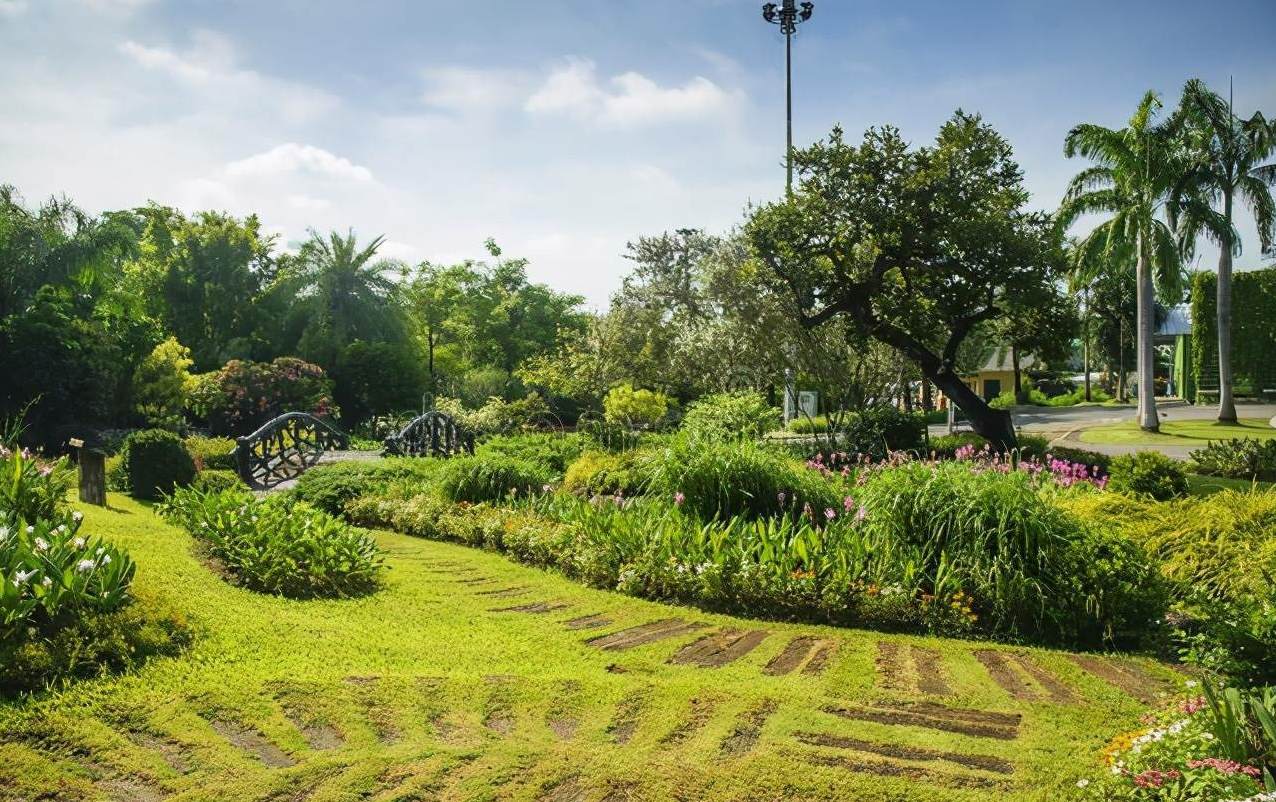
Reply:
x=788, y=16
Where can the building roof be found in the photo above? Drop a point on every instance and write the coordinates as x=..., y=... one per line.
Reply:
x=999, y=361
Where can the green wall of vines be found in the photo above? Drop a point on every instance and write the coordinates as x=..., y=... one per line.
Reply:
x=1253, y=331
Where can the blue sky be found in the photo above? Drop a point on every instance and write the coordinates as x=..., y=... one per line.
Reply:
x=561, y=128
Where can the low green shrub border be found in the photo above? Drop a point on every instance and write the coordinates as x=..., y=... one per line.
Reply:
x=599, y=473
x=155, y=461
x=276, y=545
x=552, y=450
x=491, y=477
x=1148, y=473
x=329, y=487
x=212, y=453
x=214, y=480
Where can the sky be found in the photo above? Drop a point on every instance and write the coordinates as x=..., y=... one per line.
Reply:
x=562, y=128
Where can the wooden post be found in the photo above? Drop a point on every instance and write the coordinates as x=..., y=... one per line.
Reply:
x=92, y=474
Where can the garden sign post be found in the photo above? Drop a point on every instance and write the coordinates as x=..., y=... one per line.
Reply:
x=92, y=473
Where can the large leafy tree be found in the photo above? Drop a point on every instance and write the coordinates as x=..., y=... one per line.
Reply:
x=343, y=292
x=1136, y=172
x=915, y=247
x=1227, y=155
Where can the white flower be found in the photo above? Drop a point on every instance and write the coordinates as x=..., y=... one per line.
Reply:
x=22, y=576
x=99, y=551
x=1209, y=736
x=30, y=530
x=4, y=533
x=106, y=559
x=61, y=528
x=41, y=544
x=1082, y=783
x=84, y=566
x=79, y=542
x=46, y=582
x=1191, y=683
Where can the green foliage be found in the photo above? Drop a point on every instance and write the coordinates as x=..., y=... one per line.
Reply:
x=552, y=450
x=945, y=447
x=1244, y=458
x=1077, y=396
x=116, y=478
x=276, y=545
x=726, y=480
x=213, y=480
x=599, y=473
x=244, y=395
x=498, y=416
x=62, y=589
x=1148, y=473
x=878, y=430
x=492, y=477
x=1219, y=554
x=212, y=453
x=155, y=461
x=331, y=487
x=377, y=378
x=162, y=384
x=1253, y=330
x=635, y=408
x=1243, y=724
x=730, y=416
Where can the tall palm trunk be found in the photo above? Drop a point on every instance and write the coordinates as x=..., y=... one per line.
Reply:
x=1085, y=344
x=1147, y=383
x=1226, y=402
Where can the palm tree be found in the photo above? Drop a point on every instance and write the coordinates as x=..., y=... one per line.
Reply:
x=1226, y=167
x=1137, y=168
x=344, y=294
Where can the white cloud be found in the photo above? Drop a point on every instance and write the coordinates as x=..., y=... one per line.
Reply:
x=629, y=99
x=12, y=8
x=292, y=158
x=306, y=203
x=469, y=89
x=115, y=6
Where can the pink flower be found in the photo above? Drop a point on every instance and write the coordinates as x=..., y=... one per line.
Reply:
x=830, y=513
x=1224, y=766
x=1153, y=778
x=848, y=503
x=861, y=513
x=1190, y=706
x=678, y=498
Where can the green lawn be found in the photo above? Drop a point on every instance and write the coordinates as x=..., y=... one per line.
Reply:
x=426, y=691
x=1179, y=433
x=1205, y=485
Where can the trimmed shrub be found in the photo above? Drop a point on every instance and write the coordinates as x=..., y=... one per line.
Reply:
x=1148, y=473
x=635, y=408
x=331, y=487
x=718, y=480
x=212, y=453
x=597, y=473
x=156, y=462
x=730, y=416
x=116, y=478
x=215, y=480
x=874, y=431
x=491, y=478
x=1091, y=459
x=1245, y=458
x=946, y=447
x=552, y=450
x=276, y=545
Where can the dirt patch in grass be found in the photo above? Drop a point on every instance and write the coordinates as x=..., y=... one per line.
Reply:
x=819, y=658
x=478, y=580
x=498, y=715
x=929, y=665
x=891, y=666
x=568, y=790
x=794, y=653
x=534, y=608
x=748, y=729
x=645, y=633
x=625, y=721
x=700, y=711
x=171, y=752
x=130, y=789
x=978, y=723
x=1057, y=691
x=886, y=769
x=720, y=648
x=517, y=590
x=903, y=752
x=1127, y=678
x=253, y=742
x=1003, y=673
x=591, y=621
x=319, y=734
x=379, y=715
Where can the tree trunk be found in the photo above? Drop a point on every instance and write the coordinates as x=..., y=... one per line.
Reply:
x=928, y=402
x=1148, y=420
x=1014, y=362
x=1085, y=344
x=1226, y=402
x=1121, y=396
x=995, y=425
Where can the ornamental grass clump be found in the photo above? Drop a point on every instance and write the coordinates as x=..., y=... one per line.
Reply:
x=278, y=545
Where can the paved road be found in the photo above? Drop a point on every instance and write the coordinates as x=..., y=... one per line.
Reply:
x=1064, y=424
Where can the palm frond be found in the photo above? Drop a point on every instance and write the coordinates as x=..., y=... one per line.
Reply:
x=1259, y=197
x=1167, y=263
x=1097, y=143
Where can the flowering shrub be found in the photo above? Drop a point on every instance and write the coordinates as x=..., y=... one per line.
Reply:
x=1181, y=754
x=58, y=584
x=243, y=395
x=276, y=545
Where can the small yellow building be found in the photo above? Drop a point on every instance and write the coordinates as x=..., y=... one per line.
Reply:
x=997, y=376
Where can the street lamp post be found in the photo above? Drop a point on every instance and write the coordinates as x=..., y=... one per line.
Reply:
x=788, y=16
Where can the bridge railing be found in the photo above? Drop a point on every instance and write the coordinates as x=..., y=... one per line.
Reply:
x=434, y=434
x=285, y=447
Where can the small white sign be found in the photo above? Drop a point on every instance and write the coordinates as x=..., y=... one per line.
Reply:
x=809, y=403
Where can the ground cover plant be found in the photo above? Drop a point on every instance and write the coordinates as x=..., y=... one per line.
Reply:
x=440, y=688
x=277, y=545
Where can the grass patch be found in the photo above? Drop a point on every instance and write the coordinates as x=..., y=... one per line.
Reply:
x=434, y=695
x=1179, y=433
x=1198, y=485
